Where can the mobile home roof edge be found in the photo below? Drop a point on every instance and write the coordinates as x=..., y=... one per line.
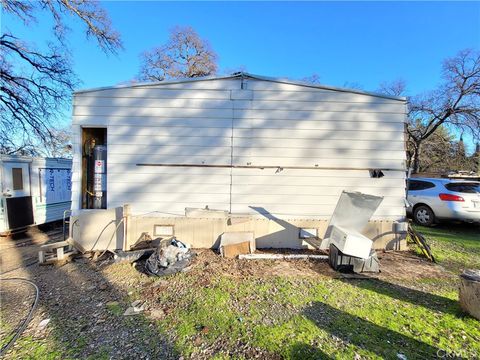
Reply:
x=245, y=75
x=25, y=158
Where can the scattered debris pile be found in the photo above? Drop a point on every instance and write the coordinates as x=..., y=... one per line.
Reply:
x=169, y=258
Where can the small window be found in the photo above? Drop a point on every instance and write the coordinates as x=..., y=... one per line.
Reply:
x=466, y=188
x=17, y=176
x=415, y=185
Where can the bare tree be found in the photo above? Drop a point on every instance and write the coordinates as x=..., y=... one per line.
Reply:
x=35, y=85
x=353, y=85
x=393, y=88
x=185, y=55
x=61, y=144
x=312, y=79
x=455, y=103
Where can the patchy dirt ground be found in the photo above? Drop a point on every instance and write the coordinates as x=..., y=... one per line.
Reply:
x=22, y=249
x=85, y=302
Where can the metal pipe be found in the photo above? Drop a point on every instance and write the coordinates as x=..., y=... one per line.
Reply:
x=267, y=167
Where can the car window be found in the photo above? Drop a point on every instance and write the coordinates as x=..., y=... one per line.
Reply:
x=467, y=188
x=414, y=185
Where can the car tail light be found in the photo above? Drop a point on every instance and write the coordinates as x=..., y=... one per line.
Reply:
x=450, y=197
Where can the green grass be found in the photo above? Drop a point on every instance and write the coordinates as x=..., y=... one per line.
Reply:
x=114, y=307
x=318, y=318
x=455, y=246
x=299, y=317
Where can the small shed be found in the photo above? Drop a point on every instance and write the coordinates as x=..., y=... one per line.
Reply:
x=272, y=155
x=34, y=191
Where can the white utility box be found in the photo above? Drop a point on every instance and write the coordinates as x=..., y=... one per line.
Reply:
x=350, y=242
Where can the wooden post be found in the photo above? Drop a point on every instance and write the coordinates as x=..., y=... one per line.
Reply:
x=60, y=253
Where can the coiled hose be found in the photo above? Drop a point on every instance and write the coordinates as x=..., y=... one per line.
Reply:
x=19, y=330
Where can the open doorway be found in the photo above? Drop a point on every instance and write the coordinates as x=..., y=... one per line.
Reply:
x=94, y=168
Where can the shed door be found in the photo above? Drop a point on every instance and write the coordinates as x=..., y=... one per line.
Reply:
x=16, y=190
x=16, y=180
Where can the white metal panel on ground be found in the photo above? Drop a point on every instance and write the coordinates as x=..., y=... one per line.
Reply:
x=284, y=125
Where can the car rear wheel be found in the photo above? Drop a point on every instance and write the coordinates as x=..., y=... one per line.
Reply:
x=423, y=215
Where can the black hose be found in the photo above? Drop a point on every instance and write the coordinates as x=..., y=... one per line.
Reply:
x=20, y=329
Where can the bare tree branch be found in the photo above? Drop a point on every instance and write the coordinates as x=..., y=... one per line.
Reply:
x=455, y=103
x=185, y=55
x=393, y=88
x=35, y=86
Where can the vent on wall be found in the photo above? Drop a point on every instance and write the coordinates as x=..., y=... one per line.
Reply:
x=163, y=230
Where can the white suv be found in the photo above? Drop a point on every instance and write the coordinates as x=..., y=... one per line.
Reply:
x=435, y=199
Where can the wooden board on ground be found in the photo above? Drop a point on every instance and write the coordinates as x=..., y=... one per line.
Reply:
x=233, y=250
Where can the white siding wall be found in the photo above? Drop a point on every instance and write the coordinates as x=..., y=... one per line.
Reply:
x=271, y=124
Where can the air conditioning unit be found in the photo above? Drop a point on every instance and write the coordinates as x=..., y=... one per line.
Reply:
x=350, y=242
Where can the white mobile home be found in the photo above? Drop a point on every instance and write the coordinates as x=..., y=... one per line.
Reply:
x=34, y=191
x=274, y=154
